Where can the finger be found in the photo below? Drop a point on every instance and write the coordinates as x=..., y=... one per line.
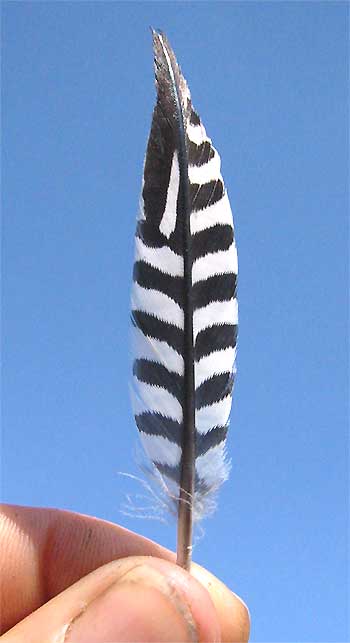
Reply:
x=44, y=551
x=233, y=613
x=134, y=599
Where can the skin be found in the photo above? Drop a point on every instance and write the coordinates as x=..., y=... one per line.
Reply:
x=67, y=578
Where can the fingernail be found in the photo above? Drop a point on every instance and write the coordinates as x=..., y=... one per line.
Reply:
x=142, y=606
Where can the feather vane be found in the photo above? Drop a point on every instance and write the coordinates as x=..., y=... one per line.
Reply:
x=184, y=305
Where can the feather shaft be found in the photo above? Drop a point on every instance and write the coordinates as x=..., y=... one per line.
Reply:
x=187, y=472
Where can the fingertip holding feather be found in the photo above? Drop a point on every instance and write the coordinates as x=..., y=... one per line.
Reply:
x=184, y=305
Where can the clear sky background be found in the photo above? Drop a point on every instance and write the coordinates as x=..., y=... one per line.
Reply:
x=269, y=80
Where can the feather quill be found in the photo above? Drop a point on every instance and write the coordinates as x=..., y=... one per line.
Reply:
x=184, y=306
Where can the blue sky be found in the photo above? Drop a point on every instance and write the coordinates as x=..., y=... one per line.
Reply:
x=270, y=83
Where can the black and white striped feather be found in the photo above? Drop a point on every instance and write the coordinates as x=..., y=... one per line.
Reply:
x=184, y=305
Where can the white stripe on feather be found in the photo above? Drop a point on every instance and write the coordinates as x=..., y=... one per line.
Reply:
x=214, y=364
x=158, y=304
x=161, y=450
x=215, y=263
x=219, y=212
x=210, y=171
x=186, y=92
x=162, y=258
x=217, y=312
x=141, y=211
x=196, y=133
x=212, y=466
x=147, y=397
x=168, y=222
x=216, y=414
x=144, y=347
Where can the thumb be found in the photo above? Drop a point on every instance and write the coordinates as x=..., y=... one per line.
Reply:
x=135, y=599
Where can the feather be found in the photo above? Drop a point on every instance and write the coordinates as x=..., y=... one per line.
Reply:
x=184, y=306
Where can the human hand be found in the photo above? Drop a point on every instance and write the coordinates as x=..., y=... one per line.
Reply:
x=72, y=578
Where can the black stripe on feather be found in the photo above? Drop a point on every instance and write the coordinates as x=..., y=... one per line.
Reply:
x=213, y=390
x=215, y=338
x=150, y=277
x=157, y=424
x=218, y=237
x=206, y=194
x=154, y=238
x=151, y=326
x=199, y=154
x=194, y=118
x=150, y=234
x=157, y=167
x=158, y=375
x=211, y=439
x=215, y=288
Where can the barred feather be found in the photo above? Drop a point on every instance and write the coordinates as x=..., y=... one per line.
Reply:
x=184, y=305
